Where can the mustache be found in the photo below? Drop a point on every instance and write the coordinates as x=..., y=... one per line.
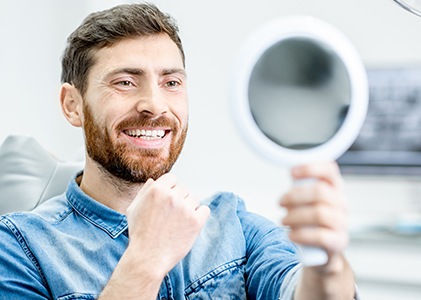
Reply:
x=145, y=121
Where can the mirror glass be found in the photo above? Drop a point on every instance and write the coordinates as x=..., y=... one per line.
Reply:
x=299, y=93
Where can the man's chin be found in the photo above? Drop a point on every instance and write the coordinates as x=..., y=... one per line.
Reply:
x=148, y=172
x=143, y=154
x=148, y=167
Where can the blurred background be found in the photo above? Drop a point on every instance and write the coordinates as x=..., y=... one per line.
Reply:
x=384, y=197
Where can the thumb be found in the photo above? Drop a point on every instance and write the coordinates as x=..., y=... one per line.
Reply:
x=202, y=213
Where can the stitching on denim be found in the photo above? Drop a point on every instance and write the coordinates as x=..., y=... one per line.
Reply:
x=113, y=232
x=76, y=296
x=21, y=240
x=169, y=286
x=215, y=272
x=63, y=215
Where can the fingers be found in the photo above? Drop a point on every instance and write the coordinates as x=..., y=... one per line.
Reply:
x=328, y=172
x=318, y=192
x=166, y=187
x=167, y=180
x=316, y=212
x=317, y=221
x=178, y=193
x=327, y=239
x=203, y=213
x=320, y=216
x=165, y=220
x=167, y=191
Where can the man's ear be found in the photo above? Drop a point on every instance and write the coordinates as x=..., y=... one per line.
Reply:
x=71, y=104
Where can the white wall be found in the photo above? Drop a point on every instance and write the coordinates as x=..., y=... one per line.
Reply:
x=215, y=158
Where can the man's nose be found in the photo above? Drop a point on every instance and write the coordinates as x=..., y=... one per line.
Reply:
x=152, y=102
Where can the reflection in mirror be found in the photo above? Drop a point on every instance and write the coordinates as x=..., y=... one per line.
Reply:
x=299, y=93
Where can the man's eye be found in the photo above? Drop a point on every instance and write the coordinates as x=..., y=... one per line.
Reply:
x=172, y=83
x=125, y=83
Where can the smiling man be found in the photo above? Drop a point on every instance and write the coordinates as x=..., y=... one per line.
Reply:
x=137, y=89
x=126, y=228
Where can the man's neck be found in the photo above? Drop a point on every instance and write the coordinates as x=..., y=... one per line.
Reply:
x=106, y=188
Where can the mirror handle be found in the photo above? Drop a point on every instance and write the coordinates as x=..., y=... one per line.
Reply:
x=312, y=256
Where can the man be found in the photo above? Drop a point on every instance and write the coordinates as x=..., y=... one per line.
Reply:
x=126, y=228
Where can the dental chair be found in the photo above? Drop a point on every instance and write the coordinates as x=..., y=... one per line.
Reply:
x=29, y=174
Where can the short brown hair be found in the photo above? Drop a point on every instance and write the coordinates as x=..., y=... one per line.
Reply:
x=105, y=28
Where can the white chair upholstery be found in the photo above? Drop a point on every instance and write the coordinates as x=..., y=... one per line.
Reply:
x=29, y=174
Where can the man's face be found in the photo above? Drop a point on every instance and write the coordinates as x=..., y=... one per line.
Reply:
x=135, y=110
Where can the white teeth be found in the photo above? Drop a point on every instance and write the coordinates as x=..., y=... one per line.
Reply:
x=146, y=134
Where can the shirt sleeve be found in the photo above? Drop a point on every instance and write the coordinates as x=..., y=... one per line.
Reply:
x=271, y=257
x=273, y=268
x=20, y=277
x=290, y=283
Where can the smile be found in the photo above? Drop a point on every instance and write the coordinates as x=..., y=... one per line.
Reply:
x=146, y=134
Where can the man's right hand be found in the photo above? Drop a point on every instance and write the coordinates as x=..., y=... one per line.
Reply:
x=164, y=222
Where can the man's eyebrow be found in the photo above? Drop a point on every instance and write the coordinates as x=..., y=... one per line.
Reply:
x=139, y=72
x=174, y=71
x=131, y=71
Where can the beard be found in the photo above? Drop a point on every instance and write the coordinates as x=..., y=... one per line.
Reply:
x=123, y=161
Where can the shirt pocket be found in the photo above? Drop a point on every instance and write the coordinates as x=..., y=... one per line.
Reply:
x=224, y=282
x=78, y=296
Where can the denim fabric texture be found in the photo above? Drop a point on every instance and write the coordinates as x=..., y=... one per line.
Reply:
x=68, y=247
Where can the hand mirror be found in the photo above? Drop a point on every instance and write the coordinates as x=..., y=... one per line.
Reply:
x=300, y=95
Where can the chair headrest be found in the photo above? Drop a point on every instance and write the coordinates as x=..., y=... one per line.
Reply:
x=29, y=174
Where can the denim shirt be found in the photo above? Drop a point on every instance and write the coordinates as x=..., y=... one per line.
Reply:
x=68, y=247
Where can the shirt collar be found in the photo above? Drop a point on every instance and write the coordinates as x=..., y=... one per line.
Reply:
x=109, y=220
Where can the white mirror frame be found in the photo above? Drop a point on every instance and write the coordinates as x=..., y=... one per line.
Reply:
x=413, y=6
x=272, y=33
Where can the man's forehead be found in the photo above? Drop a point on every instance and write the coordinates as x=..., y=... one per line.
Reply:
x=140, y=54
